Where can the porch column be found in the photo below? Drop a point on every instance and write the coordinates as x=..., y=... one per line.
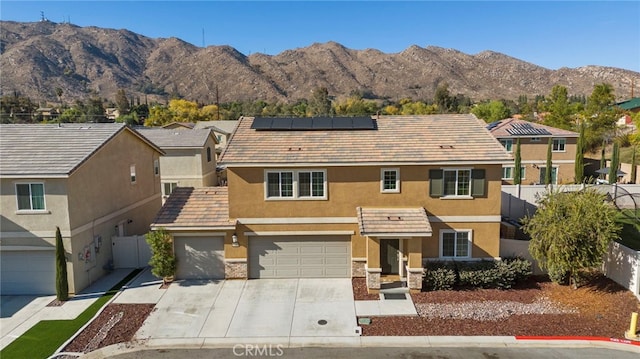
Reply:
x=414, y=265
x=373, y=265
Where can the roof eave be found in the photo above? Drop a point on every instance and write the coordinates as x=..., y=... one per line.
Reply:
x=363, y=164
x=397, y=234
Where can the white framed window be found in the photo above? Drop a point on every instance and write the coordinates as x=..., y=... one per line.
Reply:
x=156, y=167
x=457, y=182
x=298, y=184
x=455, y=243
x=558, y=145
x=30, y=196
x=508, y=144
x=390, y=180
x=168, y=187
x=508, y=172
x=132, y=173
x=554, y=174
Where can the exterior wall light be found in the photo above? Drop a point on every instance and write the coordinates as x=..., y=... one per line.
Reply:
x=234, y=240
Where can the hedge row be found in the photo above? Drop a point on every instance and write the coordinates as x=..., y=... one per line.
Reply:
x=502, y=274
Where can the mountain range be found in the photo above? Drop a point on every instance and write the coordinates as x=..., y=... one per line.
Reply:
x=36, y=58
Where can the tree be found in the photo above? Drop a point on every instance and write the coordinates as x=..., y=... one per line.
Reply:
x=517, y=170
x=163, y=260
x=491, y=111
x=62, y=284
x=549, y=165
x=615, y=163
x=559, y=108
x=320, y=104
x=571, y=231
x=579, y=163
x=442, y=98
x=122, y=102
x=59, y=93
x=601, y=115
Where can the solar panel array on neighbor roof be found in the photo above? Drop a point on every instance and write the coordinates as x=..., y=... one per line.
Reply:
x=527, y=129
x=315, y=123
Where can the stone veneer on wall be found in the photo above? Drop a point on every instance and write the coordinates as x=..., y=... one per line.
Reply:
x=358, y=268
x=235, y=269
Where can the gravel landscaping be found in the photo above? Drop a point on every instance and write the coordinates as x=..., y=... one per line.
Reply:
x=535, y=308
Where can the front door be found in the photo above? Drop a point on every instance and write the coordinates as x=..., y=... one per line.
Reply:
x=389, y=260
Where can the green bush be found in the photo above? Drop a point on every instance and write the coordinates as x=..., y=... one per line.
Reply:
x=502, y=274
x=440, y=276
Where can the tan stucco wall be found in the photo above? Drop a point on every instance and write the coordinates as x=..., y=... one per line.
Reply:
x=485, y=238
x=351, y=187
x=189, y=167
x=535, y=153
x=43, y=223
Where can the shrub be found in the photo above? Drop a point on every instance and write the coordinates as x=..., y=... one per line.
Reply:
x=481, y=274
x=440, y=276
x=163, y=261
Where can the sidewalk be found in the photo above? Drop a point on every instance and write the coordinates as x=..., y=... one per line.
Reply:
x=26, y=311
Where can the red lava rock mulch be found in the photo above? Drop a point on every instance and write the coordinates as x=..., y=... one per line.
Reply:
x=123, y=331
x=360, y=290
x=603, y=310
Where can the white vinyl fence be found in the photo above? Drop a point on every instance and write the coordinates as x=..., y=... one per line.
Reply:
x=518, y=248
x=130, y=252
x=622, y=264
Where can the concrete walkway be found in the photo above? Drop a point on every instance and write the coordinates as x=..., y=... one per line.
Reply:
x=20, y=313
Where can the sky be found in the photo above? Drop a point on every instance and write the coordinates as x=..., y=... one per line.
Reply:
x=551, y=34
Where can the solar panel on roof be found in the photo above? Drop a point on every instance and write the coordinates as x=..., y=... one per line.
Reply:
x=527, y=129
x=281, y=123
x=315, y=123
x=301, y=123
x=261, y=123
x=493, y=125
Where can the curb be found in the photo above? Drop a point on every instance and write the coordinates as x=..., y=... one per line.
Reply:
x=384, y=341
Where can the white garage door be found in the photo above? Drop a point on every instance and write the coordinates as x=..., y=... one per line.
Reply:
x=199, y=257
x=27, y=272
x=300, y=257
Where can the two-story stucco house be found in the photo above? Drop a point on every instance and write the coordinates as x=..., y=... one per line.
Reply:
x=534, y=142
x=91, y=180
x=189, y=159
x=222, y=130
x=344, y=197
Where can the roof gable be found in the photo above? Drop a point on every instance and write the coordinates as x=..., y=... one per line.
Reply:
x=174, y=138
x=512, y=127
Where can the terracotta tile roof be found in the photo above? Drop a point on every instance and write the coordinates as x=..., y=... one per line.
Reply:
x=393, y=221
x=188, y=207
x=397, y=140
x=512, y=127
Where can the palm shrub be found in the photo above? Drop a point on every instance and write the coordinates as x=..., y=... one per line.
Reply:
x=62, y=284
x=163, y=261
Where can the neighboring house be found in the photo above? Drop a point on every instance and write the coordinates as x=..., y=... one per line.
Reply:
x=534, y=139
x=632, y=105
x=189, y=159
x=180, y=126
x=93, y=181
x=222, y=130
x=343, y=197
x=111, y=113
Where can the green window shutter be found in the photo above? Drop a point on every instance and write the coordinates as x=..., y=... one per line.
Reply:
x=436, y=183
x=478, y=183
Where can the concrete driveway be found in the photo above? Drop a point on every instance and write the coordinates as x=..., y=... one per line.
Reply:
x=253, y=308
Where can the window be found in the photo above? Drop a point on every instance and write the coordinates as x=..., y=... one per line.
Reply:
x=457, y=182
x=535, y=139
x=311, y=184
x=558, y=144
x=168, y=187
x=30, y=196
x=156, y=167
x=390, y=180
x=208, y=154
x=303, y=184
x=554, y=174
x=508, y=172
x=132, y=171
x=455, y=244
x=508, y=144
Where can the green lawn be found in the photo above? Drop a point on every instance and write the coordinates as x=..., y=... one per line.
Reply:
x=630, y=234
x=42, y=340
